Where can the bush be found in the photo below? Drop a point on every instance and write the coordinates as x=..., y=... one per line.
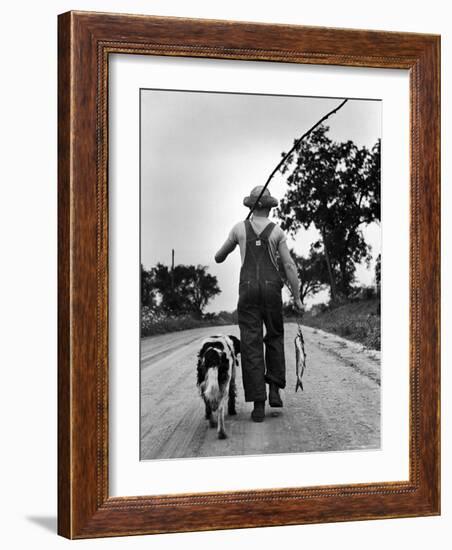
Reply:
x=369, y=293
x=363, y=293
x=290, y=311
x=155, y=322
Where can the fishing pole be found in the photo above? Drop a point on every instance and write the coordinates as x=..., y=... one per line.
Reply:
x=287, y=155
x=300, y=353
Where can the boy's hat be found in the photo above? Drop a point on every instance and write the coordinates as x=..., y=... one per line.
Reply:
x=266, y=201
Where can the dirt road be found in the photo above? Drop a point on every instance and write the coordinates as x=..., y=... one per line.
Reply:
x=338, y=410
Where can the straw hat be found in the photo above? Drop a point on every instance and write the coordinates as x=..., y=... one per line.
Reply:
x=266, y=201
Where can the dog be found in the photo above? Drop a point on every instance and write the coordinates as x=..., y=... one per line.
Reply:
x=216, y=371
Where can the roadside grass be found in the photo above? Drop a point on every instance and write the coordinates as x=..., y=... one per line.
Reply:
x=357, y=320
x=153, y=323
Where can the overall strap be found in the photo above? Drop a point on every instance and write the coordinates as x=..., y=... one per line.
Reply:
x=250, y=233
x=265, y=234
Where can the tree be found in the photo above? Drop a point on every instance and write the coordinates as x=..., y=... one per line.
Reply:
x=148, y=292
x=186, y=289
x=203, y=287
x=378, y=274
x=312, y=272
x=336, y=188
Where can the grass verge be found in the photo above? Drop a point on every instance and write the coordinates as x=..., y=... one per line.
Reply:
x=356, y=320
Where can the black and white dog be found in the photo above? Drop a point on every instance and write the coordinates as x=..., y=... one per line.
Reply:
x=217, y=362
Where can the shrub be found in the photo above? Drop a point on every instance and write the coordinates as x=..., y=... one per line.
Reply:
x=155, y=322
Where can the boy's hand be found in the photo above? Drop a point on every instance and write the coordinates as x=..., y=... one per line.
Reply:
x=298, y=304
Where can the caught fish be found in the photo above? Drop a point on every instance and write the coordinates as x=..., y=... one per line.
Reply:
x=300, y=359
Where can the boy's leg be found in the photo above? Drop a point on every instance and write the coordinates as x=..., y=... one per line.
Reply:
x=274, y=346
x=251, y=346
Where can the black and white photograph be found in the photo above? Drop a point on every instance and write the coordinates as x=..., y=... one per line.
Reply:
x=225, y=297
x=260, y=274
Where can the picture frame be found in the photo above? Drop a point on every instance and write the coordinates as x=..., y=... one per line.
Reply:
x=85, y=42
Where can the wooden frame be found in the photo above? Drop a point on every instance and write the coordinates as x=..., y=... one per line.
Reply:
x=84, y=44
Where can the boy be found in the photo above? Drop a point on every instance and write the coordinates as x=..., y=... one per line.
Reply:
x=260, y=302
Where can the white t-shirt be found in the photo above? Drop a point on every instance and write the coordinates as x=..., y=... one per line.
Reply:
x=237, y=235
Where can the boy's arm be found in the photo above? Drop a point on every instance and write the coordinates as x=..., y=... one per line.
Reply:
x=225, y=250
x=291, y=272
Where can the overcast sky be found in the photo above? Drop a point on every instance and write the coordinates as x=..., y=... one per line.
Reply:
x=201, y=153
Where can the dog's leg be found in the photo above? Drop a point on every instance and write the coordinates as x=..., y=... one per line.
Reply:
x=213, y=423
x=232, y=393
x=221, y=428
x=209, y=414
x=208, y=410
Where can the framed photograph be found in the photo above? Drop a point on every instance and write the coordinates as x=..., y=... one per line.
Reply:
x=249, y=261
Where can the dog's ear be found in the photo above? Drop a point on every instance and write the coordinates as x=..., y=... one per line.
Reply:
x=236, y=343
x=200, y=370
x=204, y=348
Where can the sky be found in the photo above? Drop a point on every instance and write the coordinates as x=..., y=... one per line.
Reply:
x=202, y=152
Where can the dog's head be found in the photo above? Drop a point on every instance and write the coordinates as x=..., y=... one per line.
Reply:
x=213, y=373
x=210, y=356
x=215, y=353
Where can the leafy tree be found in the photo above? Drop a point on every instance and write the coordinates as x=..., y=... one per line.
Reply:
x=312, y=272
x=203, y=287
x=148, y=292
x=335, y=187
x=185, y=289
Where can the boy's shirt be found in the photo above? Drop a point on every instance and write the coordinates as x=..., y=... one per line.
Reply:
x=237, y=235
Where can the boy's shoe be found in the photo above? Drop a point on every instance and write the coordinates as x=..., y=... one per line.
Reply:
x=258, y=413
x=273, y=396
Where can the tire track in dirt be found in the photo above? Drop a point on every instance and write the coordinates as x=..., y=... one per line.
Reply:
x=339, y=409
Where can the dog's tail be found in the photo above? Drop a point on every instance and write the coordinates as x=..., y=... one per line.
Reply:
x=211, y=387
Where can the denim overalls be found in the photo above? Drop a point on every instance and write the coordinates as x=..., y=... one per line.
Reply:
x=260, y=303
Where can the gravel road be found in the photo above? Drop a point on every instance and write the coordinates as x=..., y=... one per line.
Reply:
x=338, y=410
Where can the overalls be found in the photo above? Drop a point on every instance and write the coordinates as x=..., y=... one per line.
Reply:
x=260, y=303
